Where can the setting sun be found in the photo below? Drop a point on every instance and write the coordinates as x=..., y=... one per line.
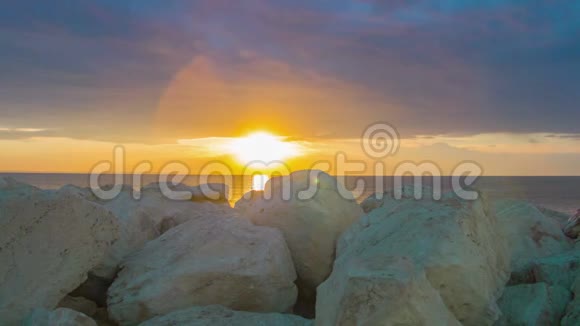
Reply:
x=263, y=147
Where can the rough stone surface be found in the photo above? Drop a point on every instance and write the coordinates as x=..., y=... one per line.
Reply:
x=412, y=260
x=533, y=304
x=146, y=218
x=250, y=201
x=530, y=234
x=560, y=270
x=58, y=317
x=48, y=242
x=221, y=316
x=13, y=188
x=208, y=260
x=372, y=202
x=572, y=314
x=559, y=217
x=380, y=290
x=310, y=226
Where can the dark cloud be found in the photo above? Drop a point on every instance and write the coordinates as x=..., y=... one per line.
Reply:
x=452, y=67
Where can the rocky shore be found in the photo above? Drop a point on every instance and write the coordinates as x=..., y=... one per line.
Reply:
x=69, y=258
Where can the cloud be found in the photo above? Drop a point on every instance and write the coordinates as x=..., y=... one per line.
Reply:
x=565, y=136
x=24, y=133
x=428, y=67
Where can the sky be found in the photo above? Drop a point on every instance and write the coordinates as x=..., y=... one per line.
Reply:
x=496, y=82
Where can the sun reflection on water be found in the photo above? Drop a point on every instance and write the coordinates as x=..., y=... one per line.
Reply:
x=259, y=182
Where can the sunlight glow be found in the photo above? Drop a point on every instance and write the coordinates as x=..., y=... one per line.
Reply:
x=259, y=182
x=263, y=147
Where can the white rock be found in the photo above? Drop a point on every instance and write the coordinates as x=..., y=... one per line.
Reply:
x=530, y=234
x=409, y=261
x=208, y=260
x=558, y=270
x=146, y=218
x=249, y=201
x=533, y=304
x=380, y=290
x=12, y=188
x=572, y=314
x=221, y=316
x=58, y=317
x=48, y=243
x=560, y=218
x=310, y=226
x=373, y=201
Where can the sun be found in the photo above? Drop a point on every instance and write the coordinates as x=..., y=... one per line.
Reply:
x=262, y=147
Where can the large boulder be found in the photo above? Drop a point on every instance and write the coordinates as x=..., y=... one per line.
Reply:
x=530, y=234
x=558, y=270
x=147, y=217
x=208, y=260
x=561, y=271
x=12, y=188
x=533, y=304
x=221, y=316
x=249, y=201
x=572, y=314
x=560, y=218
x=381, y=290
x=409, y=260
x=312, y=210
x=373, y=201
x=48, y=242
x=58, y=317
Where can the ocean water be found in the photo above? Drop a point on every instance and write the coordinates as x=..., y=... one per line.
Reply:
x=556, y=193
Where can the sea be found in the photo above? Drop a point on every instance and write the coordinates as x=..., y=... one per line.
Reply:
x=561, y=194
